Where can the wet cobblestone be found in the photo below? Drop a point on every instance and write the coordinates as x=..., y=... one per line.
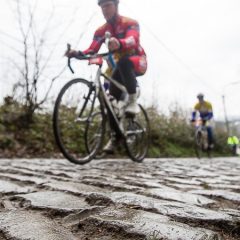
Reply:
x=175, y=199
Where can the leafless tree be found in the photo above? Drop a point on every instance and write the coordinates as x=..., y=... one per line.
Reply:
x=32, y=63
x=35, y=55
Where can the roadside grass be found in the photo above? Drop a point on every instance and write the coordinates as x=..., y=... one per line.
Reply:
x=171, y=136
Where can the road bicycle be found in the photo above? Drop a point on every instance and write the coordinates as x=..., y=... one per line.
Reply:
x=82, y=111
x=201, y=139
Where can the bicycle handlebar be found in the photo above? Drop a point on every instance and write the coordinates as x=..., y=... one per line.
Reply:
x=85, y=57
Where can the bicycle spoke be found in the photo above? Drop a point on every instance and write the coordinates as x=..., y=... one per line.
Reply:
x=94, y=131
x=137, y=135
x=72, y=111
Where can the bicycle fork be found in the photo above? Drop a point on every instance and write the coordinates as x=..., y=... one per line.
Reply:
x=84, y=119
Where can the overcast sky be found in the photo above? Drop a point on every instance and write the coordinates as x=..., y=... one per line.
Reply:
x=192, y=46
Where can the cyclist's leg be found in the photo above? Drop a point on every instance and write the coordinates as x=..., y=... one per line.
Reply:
x=210, y=136
x=128, y=67
x=127, y=74
x=127, y=70
x=131, y=67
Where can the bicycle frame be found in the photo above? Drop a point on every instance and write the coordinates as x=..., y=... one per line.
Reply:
x=201, y=127
x=100, y=91
x=92, y=108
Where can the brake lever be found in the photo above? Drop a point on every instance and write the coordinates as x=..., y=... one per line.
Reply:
x=69, y=59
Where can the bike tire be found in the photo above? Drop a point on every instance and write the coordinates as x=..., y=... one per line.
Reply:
x=209, y=153
x=77, y=96
x=137, y=135
x=198, y=145
x=95, y=132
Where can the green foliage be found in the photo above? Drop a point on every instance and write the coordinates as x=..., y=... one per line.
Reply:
x=171, y=136
x=21, y=139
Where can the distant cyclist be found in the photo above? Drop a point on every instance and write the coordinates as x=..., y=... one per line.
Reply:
x=233, y=142
x=204, y=108
x=128, y=54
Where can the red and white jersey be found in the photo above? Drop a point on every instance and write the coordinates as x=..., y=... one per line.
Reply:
x=126, y=30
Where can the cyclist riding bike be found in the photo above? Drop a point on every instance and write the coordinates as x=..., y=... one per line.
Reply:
x=128, y=59
x=204, y=108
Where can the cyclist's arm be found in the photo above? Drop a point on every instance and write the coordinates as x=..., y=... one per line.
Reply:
x=209, y=116
x=194, y=112
x=193, y=116
x=210, y=112
x=98, y=40
x=131, y=40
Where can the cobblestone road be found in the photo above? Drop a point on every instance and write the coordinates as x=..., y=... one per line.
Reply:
x=177, y=199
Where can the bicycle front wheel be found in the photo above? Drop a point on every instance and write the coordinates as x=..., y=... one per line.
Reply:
x=137, y=131
x=72, y=111
x=198, y=144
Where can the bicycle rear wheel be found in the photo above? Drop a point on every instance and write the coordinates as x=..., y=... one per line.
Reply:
x=95, y=131
x=137, y=135
x=72, y=111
